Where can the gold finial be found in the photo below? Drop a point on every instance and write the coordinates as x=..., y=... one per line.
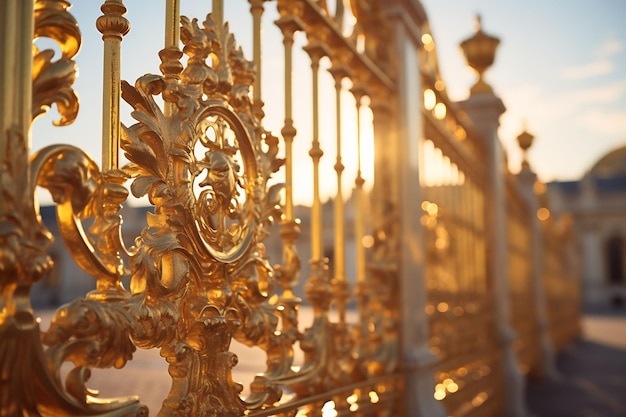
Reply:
x=479, y=23
x=525, y=141
x=480, y=52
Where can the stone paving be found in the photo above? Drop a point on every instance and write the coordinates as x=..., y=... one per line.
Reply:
x=591, y=383
x=592, y=374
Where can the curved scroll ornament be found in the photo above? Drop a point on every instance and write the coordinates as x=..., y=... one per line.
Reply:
x=81, y=192
x=52, y=80
x=223, y=223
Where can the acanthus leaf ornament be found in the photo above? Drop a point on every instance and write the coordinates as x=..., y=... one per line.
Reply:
x=52, y=80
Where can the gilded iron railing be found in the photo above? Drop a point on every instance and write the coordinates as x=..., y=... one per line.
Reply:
x=199, y=273
x=202, y=274
x=519, y=234
x=459, y=205
x=460, y=307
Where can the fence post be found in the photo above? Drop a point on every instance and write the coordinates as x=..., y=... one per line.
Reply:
x=527, y=180
x=418, y=363
x=485, y=109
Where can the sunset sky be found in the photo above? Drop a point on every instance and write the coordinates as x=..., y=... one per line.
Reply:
x=560, y=70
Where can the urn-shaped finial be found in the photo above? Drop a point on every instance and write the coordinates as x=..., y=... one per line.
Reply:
x=480, y=52
x=525, y=141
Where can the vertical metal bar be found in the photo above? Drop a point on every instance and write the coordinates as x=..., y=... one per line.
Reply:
x=256, y=8
x=340, y=284
x=16, y=40
x=382, y=165
x=448, y=206
x=469, y=244
x=474, y=243
x=172, y=38
x=472, y=214
x=290, y=230
x=172, y=25
x=288, y=131
x=363, y=284
x=339, y=14
x=317, y=245
x=459, y=229
x=359, y=220
x=217, y=12
x=113, y=26
x=339, y=261
x=15, y=81
x=18, y=233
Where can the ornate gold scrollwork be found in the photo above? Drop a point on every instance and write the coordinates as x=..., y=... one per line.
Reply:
x=52, y=80
x=81, y=191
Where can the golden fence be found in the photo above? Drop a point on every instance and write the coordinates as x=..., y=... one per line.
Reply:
x=519, y=235
x=408, y=316
x=462, y=330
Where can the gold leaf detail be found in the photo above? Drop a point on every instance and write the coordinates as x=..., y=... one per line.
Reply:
x=52, y=80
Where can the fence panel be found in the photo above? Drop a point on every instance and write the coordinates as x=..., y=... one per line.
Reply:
x=460, y=306
x=523, y=314
x=200, y=276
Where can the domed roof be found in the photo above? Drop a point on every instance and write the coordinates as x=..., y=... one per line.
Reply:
x=611, y=164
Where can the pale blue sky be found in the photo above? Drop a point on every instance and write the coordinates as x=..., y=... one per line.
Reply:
x=561, y=68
